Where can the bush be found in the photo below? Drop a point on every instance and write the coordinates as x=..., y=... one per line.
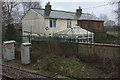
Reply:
x=12, y=34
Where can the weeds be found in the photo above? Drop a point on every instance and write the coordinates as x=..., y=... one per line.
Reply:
x=56, y=56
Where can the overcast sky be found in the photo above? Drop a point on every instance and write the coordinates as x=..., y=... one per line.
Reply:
x=91, y=6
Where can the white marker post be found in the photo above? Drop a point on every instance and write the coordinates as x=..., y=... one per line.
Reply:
x=25, y=53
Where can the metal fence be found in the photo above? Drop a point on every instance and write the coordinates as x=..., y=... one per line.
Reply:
x=67, y=47
x=105, y=50
x=82, y=46
x=64, y=38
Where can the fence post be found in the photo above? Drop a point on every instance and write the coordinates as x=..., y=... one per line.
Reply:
x=49, y=43
x=92, y=38
x=77, y=43
x=29, y=37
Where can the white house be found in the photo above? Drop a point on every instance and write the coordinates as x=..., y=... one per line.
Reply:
x=47, y=22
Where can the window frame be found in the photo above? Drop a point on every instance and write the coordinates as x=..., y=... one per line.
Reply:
x=68, y=23
x=52, y=23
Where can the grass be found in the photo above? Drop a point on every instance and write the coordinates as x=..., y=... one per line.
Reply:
x=113, y=33
x=62, y=58
x=56, y=57
x=70, y=67
x=111, y=38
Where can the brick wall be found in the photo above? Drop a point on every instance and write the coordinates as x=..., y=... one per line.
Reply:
x=90, y=24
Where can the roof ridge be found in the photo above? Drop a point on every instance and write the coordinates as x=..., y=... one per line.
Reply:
x=60, y=11
x=67, y=15
x=54, y=10
x=38, y=8
x=64, y=11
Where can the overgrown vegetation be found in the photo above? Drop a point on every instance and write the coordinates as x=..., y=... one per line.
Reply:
x=62, y=58
x=70, y=67
x=107, y=38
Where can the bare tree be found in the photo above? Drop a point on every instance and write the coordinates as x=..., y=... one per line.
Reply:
x=110, y=23
x=7, y=10
x=103, y=17
x=11, y=13
x=29, y=5
x=17, y=15
x=117, y=11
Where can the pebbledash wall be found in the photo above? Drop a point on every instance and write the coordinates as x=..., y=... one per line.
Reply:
x=61, y=24
x=103, y=50
x=36, y=23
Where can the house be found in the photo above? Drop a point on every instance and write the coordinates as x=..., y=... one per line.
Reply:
x=47, y=22
x=90, y=22
x=91, y=25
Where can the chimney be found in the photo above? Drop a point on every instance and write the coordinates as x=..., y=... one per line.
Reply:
x=78, y=12
x=47, y=9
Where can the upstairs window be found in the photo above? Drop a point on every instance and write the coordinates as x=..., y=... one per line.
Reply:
x=68, y=23
x=52, y=23
x=98, y=24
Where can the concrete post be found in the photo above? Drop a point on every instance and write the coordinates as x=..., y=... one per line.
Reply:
x=25, y=53
x=92, y=38
x=88, y=38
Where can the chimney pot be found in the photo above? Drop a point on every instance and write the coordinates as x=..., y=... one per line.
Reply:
x=48, y=3
x=79, y=7
x=47, y=9
x=78, y=12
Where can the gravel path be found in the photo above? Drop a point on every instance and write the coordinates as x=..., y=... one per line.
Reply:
x=15, y=73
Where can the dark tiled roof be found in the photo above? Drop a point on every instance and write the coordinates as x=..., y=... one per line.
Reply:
x=57, y=14
x=65, y=15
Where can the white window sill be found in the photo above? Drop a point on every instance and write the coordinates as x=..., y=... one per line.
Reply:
x=52, y=27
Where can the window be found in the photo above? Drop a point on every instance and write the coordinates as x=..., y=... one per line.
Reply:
x=91, y=24
x=98, y=24
x=68, y=23
x=52, y=23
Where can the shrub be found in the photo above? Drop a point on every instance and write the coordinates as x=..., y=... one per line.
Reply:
x=11, y=34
